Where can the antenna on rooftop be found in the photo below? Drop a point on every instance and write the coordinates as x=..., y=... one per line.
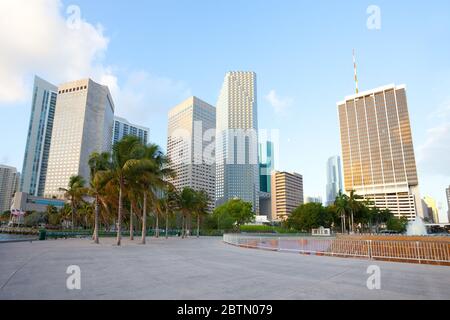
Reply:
x=356, y=74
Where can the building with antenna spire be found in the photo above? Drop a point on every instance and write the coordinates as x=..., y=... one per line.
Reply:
x=377, y=150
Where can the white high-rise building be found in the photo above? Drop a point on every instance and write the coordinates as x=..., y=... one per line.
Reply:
x=190, y=146
x=9, y=183
x=237, y=168
x=82, y=125
x=334, y=179
x=35, y=162
x=123, y=127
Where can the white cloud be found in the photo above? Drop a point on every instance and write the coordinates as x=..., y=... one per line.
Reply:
x=35, y=39
x=45, y=38
x=278, y=103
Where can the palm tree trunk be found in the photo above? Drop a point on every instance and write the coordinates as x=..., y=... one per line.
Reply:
x=73, y=214
x=353, y=225
x=198, y=225
x=167, y=224
x=144, y=219
x=119, y=217
x=96, y=221
x=131, y=224
x=182, y=227
x=345, y=225
x=157, y=225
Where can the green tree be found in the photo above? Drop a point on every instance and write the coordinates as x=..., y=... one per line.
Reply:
x=234, y=213
x=150, y=175
x=187, y=207
x=201, y=207
x=342, y=208
x=74, y=193
x=396, y=224
x=125, y=156
x=310, y=216
x=354, y=204
x=98, y=162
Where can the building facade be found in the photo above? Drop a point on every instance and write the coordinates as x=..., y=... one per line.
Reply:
x=334, y=179
x=82, y=125
x=123, y=127
x=432, y=209
x=25, y=202
x=9, y=184
x=237, y=166
x=287, y=194
x=377, y=150
x=448, y=202
x=313, y=199
x=266, y=165
x=35, y=162
x=191, y=128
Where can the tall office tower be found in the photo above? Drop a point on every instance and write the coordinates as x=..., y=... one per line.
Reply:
x=237, y=167
x=448, y=202
x=190, y=146
x=377, y=150
x=334, y=179
x=313, y=199
x=287, y=194
x=37, y=149
x=124, y=128
x=83, y=124
x=266, y=165
x=432, y=208
x=9, y=184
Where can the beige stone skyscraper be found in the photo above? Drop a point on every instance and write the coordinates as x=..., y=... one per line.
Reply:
x=191, y=129
x=286, y=193
x=377, y=149
x=83, y=124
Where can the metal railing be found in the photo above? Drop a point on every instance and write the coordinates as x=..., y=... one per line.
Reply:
x=402, y=251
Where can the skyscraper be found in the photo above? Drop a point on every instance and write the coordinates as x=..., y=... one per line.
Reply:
x=237, y=167
x=287, y=194
x=82, y=125
x=266, y=165
x=124, y=128
x=190, y=146
x=313, y=199
x=377, y=150
x=37, y=149
x=9, y=184
x=432, y=208
x=334, y=179
x=448, y=202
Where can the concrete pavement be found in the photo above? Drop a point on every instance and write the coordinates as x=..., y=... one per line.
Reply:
x=204, y=268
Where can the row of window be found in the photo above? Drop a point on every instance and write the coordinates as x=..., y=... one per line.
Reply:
x=72, y=89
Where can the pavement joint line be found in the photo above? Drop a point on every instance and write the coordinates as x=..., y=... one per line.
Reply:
x=20, y=268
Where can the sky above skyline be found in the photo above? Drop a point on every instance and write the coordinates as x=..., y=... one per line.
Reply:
x=154, y=54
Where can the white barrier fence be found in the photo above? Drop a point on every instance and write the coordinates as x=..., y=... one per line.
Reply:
x=411, y=251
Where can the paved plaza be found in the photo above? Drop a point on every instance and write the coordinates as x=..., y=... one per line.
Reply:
x=204, y=268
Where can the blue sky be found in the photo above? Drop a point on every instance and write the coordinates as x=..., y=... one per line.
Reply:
x=154, y=54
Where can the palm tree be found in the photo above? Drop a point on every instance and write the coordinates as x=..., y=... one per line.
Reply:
x=354, y=206
x=173, y=205
x=98, y=162
x=125, y=157
x=187, y=206
x=154, y=178
x=341, y=204
x=201, y=207
x=74, y=193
